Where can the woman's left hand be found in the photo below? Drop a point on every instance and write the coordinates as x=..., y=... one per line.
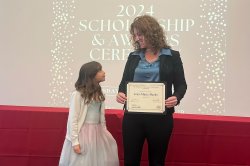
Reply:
x=171, y=101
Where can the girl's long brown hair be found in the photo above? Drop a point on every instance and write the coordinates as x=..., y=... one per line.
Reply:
x=86, y=83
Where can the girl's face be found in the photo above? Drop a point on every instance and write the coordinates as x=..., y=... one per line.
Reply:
x=100, y=76
x=138, y=37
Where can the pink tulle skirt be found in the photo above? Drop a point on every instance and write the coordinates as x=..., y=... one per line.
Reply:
x=98, y=148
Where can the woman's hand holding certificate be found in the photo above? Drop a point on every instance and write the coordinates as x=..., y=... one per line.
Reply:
x=148, y=97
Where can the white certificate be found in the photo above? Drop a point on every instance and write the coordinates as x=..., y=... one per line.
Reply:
x=147, y=97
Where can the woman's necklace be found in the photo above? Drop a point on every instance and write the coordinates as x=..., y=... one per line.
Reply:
x=151, y=57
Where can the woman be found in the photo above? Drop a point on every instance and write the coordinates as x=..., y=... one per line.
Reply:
x=152, y=61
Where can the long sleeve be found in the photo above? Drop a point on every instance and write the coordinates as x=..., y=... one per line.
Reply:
x=128, y=73
x=179, y=81
x=75, y=108
x=102, y=117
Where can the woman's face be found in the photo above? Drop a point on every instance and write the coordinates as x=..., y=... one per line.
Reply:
x=100, y=76
x=138, y=37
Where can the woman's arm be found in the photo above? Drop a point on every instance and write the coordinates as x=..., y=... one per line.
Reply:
x=179, y=81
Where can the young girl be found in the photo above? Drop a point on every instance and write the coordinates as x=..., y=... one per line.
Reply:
x=88, y=142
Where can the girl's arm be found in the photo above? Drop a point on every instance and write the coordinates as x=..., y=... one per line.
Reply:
x=102, y=117
x=75, y=107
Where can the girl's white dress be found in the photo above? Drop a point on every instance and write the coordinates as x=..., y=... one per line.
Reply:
x=98, y=146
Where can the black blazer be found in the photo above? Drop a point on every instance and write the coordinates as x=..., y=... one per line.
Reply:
x=171, y=72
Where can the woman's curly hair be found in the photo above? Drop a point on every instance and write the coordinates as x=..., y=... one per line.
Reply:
x=152, y=31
